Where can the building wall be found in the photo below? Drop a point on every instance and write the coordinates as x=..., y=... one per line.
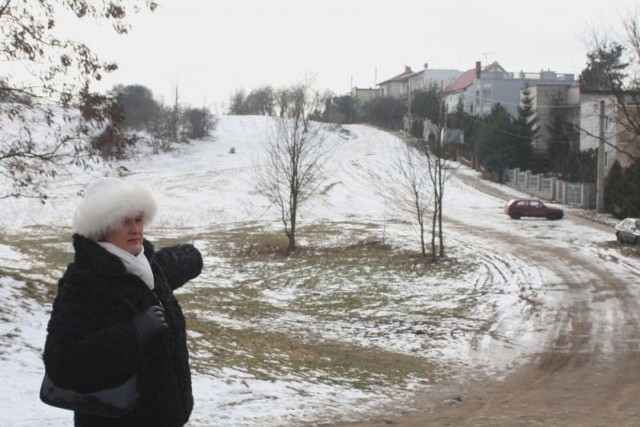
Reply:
x=439, y=78
x=486, y=93
x=542, y=97
x=394, y=89
x=451, y=102
x=590, y=125
x=417, y=82
x=364, y=95
x=628, y=142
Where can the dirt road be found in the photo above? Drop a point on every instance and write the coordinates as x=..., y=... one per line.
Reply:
x=588, y=373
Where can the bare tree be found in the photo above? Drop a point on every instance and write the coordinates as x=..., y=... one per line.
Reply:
x=614, y=70
x=437, y=166
x=629, y=101
x=438, y=169
x=237, y=103
x=47, y=83
x=282, y=96
x=198, y=122
x=423, y=170
x=260, y=101
x=295, y=153
x=138, y=105
x=412, y=168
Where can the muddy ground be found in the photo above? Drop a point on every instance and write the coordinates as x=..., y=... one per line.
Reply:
x=588, y=373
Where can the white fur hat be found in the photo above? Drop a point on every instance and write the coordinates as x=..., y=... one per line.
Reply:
x=108, y=202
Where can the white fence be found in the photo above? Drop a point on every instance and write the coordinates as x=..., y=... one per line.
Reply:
x=568, y=193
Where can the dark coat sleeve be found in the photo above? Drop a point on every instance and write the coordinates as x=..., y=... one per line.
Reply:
x=179, y=263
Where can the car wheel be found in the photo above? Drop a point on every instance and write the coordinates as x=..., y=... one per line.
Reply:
x=515, y=215
x=619, y=237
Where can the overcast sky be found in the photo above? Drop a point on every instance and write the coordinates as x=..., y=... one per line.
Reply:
x=210, y=48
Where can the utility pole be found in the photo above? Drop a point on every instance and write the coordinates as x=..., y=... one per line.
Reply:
x=409, y=95
x=600, y=171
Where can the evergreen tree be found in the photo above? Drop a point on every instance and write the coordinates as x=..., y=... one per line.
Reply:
x=631, y=206
x=581, y=166
x=614, y=190
x=525, y=130
x=347, y=106
x=385, y=111
x=459, y=119
x=605, y=69
x=494, y=142
x=622, y=194
x=427, y=104
x=558, y=135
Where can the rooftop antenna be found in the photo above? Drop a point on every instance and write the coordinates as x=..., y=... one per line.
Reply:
x=485, y=57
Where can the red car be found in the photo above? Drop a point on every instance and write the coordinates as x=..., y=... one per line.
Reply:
x=517, y=208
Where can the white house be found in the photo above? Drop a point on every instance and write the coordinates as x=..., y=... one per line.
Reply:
x=407, y=82
x=397, y=86
x=423, y=80
x=480, y=89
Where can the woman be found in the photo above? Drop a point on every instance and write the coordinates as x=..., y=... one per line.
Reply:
x=115, y=314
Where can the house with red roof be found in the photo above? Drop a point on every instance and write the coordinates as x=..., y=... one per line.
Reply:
x=408, y=81
x=396, y=86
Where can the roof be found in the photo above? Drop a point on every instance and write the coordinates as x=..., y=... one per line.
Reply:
x=465, y=80
x=400, y=77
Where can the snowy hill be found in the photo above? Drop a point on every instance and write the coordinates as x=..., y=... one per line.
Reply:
x=255, y=320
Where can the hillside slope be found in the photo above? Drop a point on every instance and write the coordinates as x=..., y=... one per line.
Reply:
x=355, y=325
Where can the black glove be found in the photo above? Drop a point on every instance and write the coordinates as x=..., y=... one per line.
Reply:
x=149, y=322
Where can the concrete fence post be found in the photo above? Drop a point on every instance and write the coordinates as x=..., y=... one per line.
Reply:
x=539, y=183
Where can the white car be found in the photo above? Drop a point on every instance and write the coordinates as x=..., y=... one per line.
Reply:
x=628, y=230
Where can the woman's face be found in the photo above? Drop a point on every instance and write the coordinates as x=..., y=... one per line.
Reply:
x=128, y=236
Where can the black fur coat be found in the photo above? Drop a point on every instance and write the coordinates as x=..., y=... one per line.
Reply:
x=91, y=343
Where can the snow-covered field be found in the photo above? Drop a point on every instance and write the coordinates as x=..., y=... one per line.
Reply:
x=474, y=316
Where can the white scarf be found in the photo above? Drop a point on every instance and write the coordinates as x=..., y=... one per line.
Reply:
x=135, y=264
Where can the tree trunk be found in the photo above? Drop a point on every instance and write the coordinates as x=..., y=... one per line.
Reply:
x=293, y=213
x=433, y=232
x=440, y=200
x=423, y=245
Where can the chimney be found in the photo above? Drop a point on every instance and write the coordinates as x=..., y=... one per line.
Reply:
x=478, y=69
